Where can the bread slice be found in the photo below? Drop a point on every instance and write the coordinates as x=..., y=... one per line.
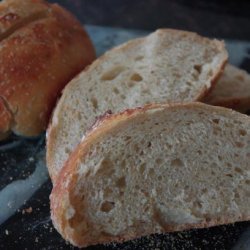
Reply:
x=232, y=90
x=155, y=169
x=166, y=66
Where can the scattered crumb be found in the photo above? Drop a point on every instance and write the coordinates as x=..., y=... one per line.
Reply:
x=29, y=210
x=6, y=232
x=31, y=159
x=10, y=204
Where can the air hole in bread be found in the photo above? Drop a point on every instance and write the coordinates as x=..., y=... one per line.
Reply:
x=141, y=153
x=136, y=148
x=136, y=77
x=213, y=173
x=216, y=130
x=176, y=185
x=160, y=178
x=242, y=132
x=123, y=97
x=189, y=84
x=127, y=138
x=116, y=90
x=177, y=163
x=106, y=167
x=199, y=152
x=229, y=164
x=67, y=150
x=240, y=78
x=197, y=205
x=131, y=84
x=94, y=102
x=219, y=158
x=176, y=74
x=107, y=192
x=247, y=182
x=142, y=168
x=210, y=73
x=229, y=175
x=151, y=172
x=121, y=182
x=139, y=58
x=158, y=161
x=238, y=170
x=208, y=220
x=216, y=121
x=107, y=206
x=236, y=195
x=149, y=144
x=112, y=73
x=204, y=191
x=146, y=91
x=123, y=164
x=239, y=144
x=79, y=116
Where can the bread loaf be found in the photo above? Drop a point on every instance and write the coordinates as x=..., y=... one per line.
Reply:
x=42, y=47
x=152, y=170
x=232, y=90
x=166, y=66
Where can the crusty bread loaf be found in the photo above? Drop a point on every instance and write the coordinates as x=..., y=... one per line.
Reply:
x=15, y=14
x=42, y=48
x=166, y=66
x=155, y=169
x=232, y=90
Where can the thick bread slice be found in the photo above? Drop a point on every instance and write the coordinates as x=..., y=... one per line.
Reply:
x=166, y=66
x=155, y=169
x=232, y=90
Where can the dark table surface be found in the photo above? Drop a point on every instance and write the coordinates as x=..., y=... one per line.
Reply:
x=224, y=18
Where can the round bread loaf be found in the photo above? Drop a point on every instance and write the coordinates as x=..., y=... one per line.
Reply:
x=42, y=46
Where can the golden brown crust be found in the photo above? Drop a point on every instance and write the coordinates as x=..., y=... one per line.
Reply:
x=37, y=60
x=13, y=14
x=64, y=194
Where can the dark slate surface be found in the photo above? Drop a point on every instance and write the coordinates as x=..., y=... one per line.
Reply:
x=224, y=18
